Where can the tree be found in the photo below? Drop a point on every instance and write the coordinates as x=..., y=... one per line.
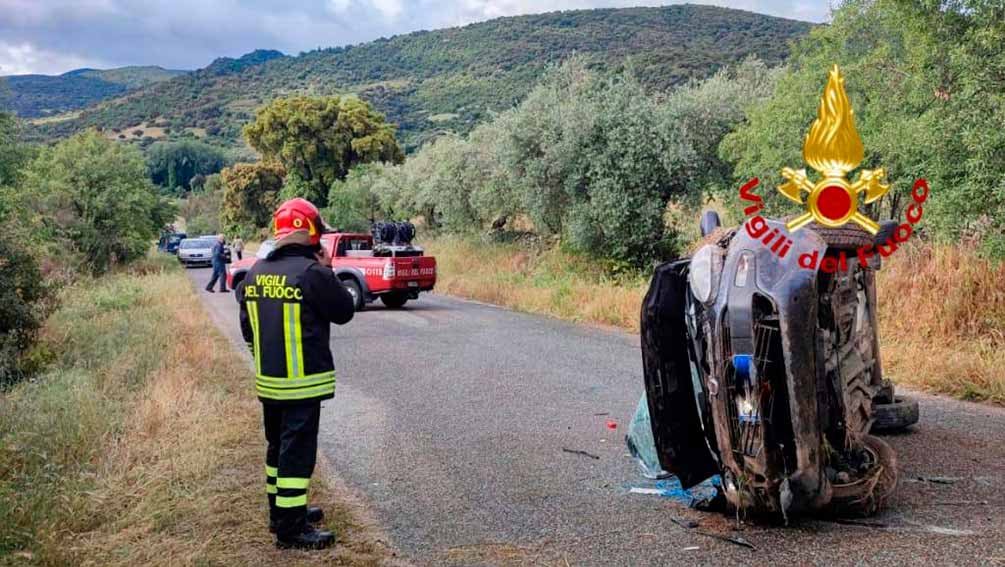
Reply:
x=174, y=165
x=250, y=196
x=91, y=197
x=926, y=80
x=13, y=154
x=201, y=209
x=321, y=139
x=24, y=298
x=352, y=204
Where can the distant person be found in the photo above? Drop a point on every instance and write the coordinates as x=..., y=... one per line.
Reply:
x=289, y=300
x=219, y=265
x=237, y=245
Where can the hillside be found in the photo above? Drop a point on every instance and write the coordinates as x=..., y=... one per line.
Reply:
x=450, y=79
x=34, y=96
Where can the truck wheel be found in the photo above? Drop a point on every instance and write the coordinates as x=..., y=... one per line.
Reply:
x=354, y=290
x=394, y=300
x=903, y=412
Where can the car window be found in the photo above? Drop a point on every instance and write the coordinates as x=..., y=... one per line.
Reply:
x=265, y=249
x=359, y=244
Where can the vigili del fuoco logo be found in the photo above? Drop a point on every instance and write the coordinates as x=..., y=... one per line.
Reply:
x=832, y=148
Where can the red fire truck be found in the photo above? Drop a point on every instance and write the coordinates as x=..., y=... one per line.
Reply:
x=393, y=272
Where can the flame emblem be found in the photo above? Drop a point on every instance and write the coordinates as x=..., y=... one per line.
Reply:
x=833, y=148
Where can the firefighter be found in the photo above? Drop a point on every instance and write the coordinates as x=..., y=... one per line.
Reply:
x=288, y=302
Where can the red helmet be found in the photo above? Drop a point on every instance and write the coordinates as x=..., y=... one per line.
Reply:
x=297, y=221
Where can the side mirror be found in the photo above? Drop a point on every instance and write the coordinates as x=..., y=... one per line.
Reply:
x=709, y=222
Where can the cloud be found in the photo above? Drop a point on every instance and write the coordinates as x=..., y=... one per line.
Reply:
x=52, y=36
x=24, y=58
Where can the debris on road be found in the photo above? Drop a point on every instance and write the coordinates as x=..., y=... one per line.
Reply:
x=611, y=424
x=580, y=452
x=691, y=525
x=641, y=444
x=671, y=488
x=937, y=479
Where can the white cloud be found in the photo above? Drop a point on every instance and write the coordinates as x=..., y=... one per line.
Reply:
x=390, y=9
x=24, y=58
x=339, y=6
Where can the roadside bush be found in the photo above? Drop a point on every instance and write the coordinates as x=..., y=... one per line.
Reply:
x=201, y=209
x=24, y=304
x=88, y=201
x=352, y=205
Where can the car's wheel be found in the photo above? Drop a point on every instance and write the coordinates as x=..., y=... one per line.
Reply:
x=352, y=286
x=394, y=300
x=903, y=412
x=864, y=495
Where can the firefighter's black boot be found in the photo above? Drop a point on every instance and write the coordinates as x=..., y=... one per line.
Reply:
x=309, y=538
x=314, y=516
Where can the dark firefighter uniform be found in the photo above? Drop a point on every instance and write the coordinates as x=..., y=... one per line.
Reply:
x=288, y=303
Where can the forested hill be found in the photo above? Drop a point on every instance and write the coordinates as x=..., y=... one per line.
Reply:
x=450, y=79
x=33, y=96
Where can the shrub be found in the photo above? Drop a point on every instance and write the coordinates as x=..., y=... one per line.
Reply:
x=91, y=197
x=24, y=303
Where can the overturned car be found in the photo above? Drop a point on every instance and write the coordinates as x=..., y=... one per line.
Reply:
x=768, y=373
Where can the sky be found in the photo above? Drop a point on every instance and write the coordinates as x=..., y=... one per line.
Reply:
x=54, y=36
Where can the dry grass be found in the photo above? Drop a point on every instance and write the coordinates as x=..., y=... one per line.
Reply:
x=943, y=322
x=942, y=308
x=143, y=444
x=551, y=282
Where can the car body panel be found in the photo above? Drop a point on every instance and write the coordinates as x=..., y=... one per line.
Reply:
x=678, y=432
x=791, y=288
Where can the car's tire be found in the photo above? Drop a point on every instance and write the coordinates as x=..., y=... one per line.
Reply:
x=847, y=237
x=885, y=393
x=352, y=286
x=902, y=413
x=394, y=300
x=867, y=494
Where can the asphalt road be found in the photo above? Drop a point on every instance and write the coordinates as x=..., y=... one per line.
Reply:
x=450, y=418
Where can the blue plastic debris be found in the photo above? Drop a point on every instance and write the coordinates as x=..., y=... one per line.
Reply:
x=671, y=488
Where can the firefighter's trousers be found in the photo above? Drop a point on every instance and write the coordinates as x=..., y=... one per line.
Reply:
x=292, y=435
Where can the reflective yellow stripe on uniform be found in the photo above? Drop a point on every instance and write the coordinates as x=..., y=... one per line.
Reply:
x=290, y=384
x=294, y=344
x=322, y=389
x=291, y=501
x=293, y=482
x=271, y=471
x=252, y=307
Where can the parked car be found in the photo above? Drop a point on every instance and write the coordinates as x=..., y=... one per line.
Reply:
x=169, y=242
x=199, y=252
x=394, y=273
x=768, y=374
